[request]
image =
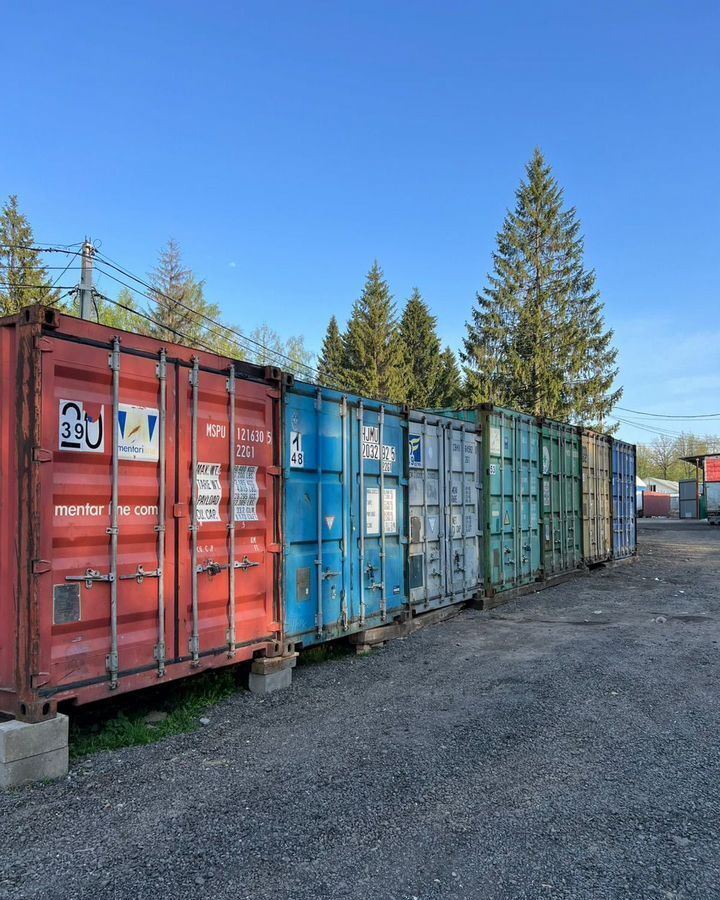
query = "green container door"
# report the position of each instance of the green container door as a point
(561, 478)
(512, 510)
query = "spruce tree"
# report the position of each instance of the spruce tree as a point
(448, 388)
(537, 340)
(23, 278)
(418, 329)
(374, 351)
(181, 310)
(331, 364)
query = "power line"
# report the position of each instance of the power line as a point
(314, 372)
(165, 306)
(38, 287)
(659, 416)
(142, 315)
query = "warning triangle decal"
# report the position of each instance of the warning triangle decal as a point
(152, 420)
(329, 521)
(122, 419)
(506, 520)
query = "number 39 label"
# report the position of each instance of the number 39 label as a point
(82, 430)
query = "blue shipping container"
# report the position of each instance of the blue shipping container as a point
(624, 531)
(344, 547)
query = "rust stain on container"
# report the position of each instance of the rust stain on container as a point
(82, 618)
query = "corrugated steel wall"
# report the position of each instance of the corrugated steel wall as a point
(345, 548)
(597, 507)
(561, 476)
(512, 508)
(149, 497)
(623, 500)
(445, 490)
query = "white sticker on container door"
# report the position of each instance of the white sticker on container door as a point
(138, 433)
(494, 441)
(81, 427)
(246, 493)
(297, 456)
(372, 511)
(209, 492)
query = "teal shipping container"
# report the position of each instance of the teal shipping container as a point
(561, 476)
(344, 513)
(445, 491)
(511, 501)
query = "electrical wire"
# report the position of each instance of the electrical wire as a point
(659, 416)
(136, 312)
(165, 306)
(106, 261)
(38, 287)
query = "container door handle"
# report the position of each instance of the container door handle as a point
(328, 574)
(141, 575)
(246, 564)
(90, 576)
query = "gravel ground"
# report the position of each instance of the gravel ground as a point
(565, 745)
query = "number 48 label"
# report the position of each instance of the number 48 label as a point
(297, 456)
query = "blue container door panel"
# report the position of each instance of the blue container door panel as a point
(315, 569)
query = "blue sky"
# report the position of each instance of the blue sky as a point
(288, 145)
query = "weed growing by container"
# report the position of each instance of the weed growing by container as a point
(152, 716)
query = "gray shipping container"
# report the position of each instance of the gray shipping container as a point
(445, 484)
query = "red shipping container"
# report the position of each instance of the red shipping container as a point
(712, 468)
(96, 601)
(654, 504)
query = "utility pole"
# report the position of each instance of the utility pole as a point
(86, 280)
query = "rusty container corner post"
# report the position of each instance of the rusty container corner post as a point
(143, 479)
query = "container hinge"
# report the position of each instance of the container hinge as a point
(38, 679)
(140, 575)
(113, 529)
(194, 645)
(275, 471)
(111, 663)
(274, 548)
(89, 577)
(41, 455)
(40, 566)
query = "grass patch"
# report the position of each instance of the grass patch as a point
(121, 723)
(324, 653)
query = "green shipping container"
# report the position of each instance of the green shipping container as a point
(561, 498)
(511, 496)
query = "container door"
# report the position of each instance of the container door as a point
(379, 442)
(551, 522)
(317, 493)
(504, 561)
(227, 513)
(426, 479)
(572, 496)
(460, 469)
(110, 607)
(527, 484)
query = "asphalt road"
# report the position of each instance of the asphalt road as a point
(565, 745)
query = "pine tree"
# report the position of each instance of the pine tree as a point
(374, 351)
(331, 364)
(181, 310)
(23, 278)
(418, 329)
(537, 340)
(448, 388)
